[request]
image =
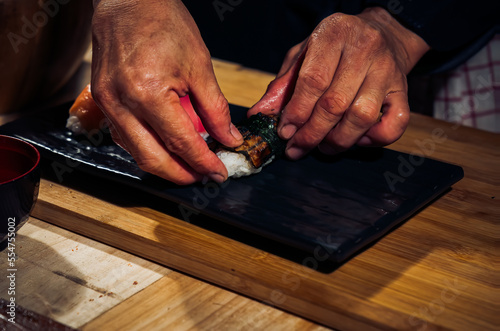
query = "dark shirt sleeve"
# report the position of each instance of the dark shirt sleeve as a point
(257, 33)
(454, 29)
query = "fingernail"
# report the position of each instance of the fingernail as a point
(218, 178)
(235, 132)
(288, 131)
(294, 153)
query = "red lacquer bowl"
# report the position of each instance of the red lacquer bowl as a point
(19, 183)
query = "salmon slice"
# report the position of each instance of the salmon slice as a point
(85, 116)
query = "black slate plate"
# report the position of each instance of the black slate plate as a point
(330, 208)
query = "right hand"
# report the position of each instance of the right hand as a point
(146, 55)
(333, 86)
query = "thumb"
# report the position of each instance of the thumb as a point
(280, 90)
(277, 95)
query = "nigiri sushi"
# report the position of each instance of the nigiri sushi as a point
(260, 146)
(84, 115)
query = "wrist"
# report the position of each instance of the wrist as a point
(414, 47)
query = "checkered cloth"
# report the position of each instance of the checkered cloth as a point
(470, 94)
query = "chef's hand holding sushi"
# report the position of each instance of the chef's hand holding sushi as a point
(146, 55)
(332, 86)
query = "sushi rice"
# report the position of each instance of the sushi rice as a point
(237, 164)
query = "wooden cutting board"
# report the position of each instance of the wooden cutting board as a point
(437, 270)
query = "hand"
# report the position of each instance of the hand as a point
(332, 87)
(146, 55)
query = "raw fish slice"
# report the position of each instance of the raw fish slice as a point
(84, 115)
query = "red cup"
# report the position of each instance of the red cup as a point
(19, 183)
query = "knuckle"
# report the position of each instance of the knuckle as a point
(222, 106)
(128, 89)
(365, 114)
(216, 117)
(177, 145)
(315, 81)
(386, 65)
(295, 116)
(141, 87)
(336, 103)
(373, 37)
(310, 138)
(369, 39)
(341, 20)
(332, 107)
(344, 24)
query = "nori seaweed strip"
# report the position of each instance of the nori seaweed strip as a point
(261, 140)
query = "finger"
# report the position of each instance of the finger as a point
(277, 95)
(359, 118)
(149, 152)
(314, 78)
(176, 130)
(279, 91)
(213, 108)
(331, 107)
(393, 123)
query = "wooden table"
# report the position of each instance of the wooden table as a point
(439, 270)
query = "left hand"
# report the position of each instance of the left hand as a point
(332, 87)
(147, 55)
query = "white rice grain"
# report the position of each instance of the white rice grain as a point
(237, 164)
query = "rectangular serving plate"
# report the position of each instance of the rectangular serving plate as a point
(338, 205)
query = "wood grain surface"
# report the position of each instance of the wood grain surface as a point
(84, 284)
(439, 270)
(73, 279)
